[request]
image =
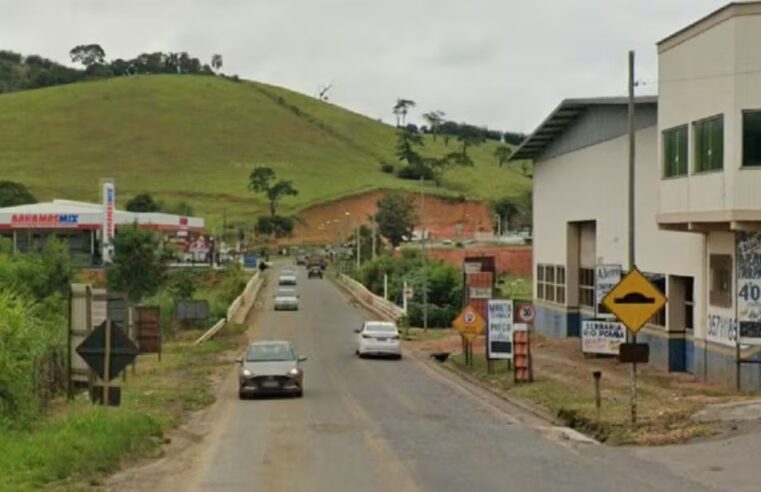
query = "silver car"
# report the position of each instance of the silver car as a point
(270, 368)
(286, 299)
(287, 278)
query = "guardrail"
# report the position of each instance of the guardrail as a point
(375, 303)
(236, 312)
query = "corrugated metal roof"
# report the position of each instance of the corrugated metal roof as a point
(560, 119)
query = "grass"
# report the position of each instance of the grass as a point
(195, 139)
(517, 287)
(664, 415)
(78, 444)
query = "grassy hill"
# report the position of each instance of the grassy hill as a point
(195, 139)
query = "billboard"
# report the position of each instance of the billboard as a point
(108, 231)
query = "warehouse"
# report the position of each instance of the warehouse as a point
(697, 201)
(82, 224)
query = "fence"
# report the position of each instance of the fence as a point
(375, 303)
(237, 311)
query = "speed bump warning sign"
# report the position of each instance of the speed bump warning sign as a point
(634, 300)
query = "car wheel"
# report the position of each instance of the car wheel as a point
(241, 395)
(300, 394)
(398, 357)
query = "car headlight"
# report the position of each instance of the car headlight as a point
(293, 372)
(247, 373)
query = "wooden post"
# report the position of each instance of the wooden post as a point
(107, 362)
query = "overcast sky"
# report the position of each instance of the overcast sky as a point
(501, 63)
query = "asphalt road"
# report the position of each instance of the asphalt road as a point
(386, 425)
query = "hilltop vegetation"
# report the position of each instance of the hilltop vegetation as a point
(194, 139)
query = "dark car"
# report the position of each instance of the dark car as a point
(271, 368)
(315, 272)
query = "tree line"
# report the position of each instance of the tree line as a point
(19, 72)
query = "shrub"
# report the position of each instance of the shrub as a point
(414, 172)
(387, 168)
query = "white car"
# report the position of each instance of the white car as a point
(378, 338)
(286, 300)
(287, 278)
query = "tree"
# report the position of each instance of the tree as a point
(506, 209)
(12, 194)
(434, 120)
(400, 110)
(143, 202)
(406, 142)
(503, 153)
(216, 62)
(274, 225)
(263, 180)
(140, 266)
(470, 136)
(395, 217)
(88, 55)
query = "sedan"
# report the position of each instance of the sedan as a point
(271, 368)
(286, 300)
(287, 278)
(378, 338)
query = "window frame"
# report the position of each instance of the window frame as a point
(550, 283)
(685, 146)
(587, 296)
(697, 165)
(721, 298)
(743, 164)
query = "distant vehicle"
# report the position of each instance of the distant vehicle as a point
(286, 300)
(287, 278)
(378, 338)
(301, 260)
(447, 242)
(315, 272)
(270, 368)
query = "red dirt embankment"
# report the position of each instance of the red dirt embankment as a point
(329, 222)
(515, 260)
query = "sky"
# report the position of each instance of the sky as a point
(501, 63)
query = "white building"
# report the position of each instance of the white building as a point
(698, 199)
(81, 225)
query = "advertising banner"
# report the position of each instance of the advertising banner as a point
(601, 337)
(109, 225)
(749, 287)
(500, 329)
(606, 277)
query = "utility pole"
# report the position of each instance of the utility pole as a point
(373, 236)
(425, 259)
(359, 252)
(632, 244)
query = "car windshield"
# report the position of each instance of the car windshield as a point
(269, 352)
(380, 327)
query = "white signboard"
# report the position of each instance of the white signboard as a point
(480, 293)
(472, 267)
(606, 277)
(499, 334)
(602, 337)
(749, 287)
(108, 231)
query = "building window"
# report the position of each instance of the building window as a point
(550, 283)
(689, 303)
(587, 287)
(659, 281)
(721, 281)
(709, 144)
(752, 138)
(675, 152)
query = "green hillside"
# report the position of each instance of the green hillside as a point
(195, 138)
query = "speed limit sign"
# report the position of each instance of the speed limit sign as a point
(526, 313)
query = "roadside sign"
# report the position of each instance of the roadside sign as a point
(634, 300)
(526, 313)
(634, 352)
(93, 351)
(500, 333)
(480, 292)
(606, 277)
(469, 323)
(601, 337)
(408, 292)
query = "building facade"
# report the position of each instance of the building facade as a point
(697, 201)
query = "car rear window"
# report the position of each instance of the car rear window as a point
(380, 327)
(269, 352)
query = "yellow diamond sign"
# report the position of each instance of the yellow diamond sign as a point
(634, 300)
(469, 323)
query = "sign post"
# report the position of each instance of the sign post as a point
(470, 324)
(108, 231)
(634, 300)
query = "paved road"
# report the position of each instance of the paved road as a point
(383, 425)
